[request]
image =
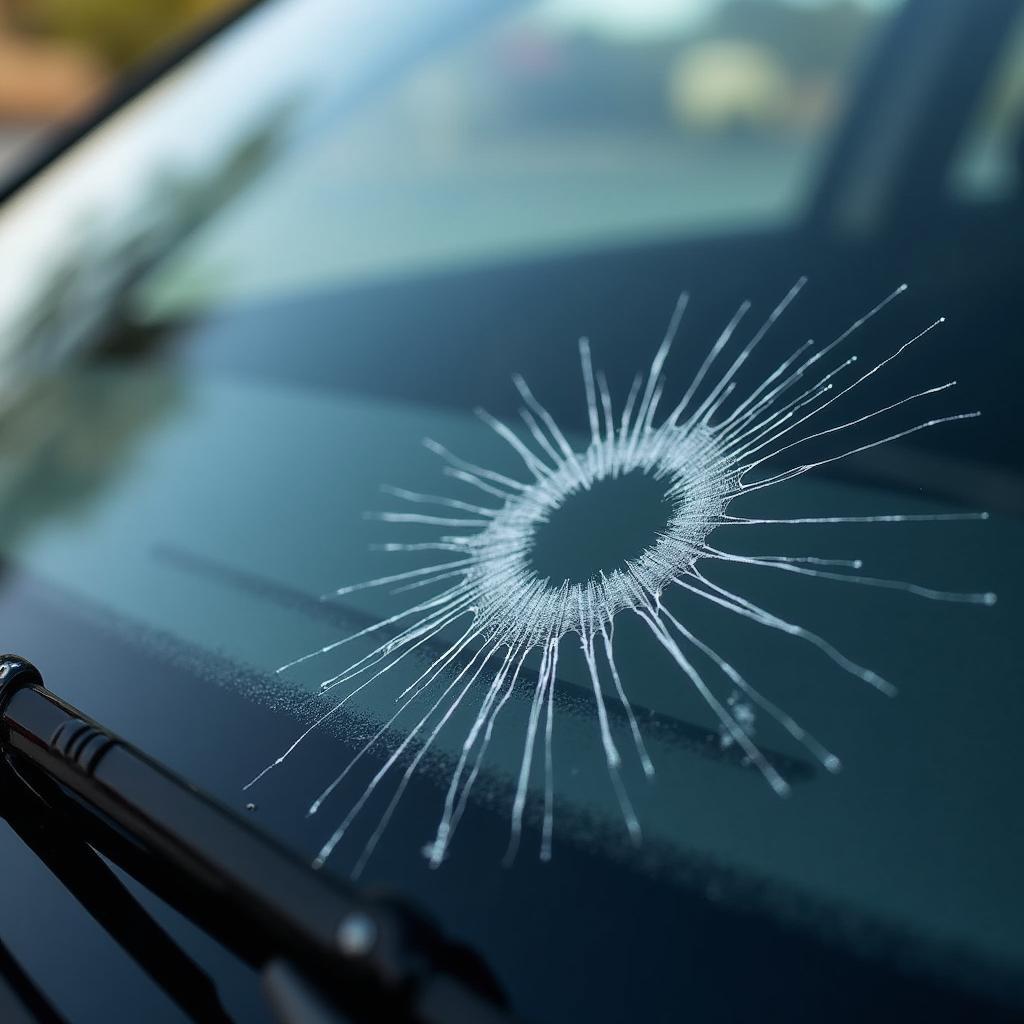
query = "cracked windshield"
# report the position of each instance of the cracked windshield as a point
(510, 452)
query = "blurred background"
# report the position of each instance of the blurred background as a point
(58, 57)
(713, 67)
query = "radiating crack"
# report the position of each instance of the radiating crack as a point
(492, 602)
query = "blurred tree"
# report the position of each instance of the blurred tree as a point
(116, 32)
(42, 79)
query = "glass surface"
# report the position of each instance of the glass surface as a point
(988, 166)
(233, 312)
(548, 129)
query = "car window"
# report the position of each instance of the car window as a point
(555, 127)
(232, 315)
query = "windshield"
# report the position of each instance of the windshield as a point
(233, 313)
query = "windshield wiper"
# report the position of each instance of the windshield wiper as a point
(327, 952)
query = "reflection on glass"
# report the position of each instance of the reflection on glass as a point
(556, 127)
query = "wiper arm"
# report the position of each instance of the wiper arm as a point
(323, 948)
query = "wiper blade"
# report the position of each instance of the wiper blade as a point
(323, 947)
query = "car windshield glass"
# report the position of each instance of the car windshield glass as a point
(233, 312)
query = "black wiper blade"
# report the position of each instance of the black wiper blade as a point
(318, 943)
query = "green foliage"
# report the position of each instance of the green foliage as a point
(117, 32)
